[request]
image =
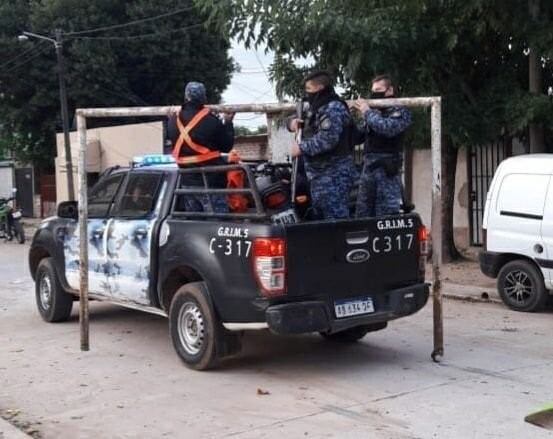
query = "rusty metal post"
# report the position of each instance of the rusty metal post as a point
(436, 227)
(83, 234)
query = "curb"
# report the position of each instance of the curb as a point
(455, 292)
(471, 299)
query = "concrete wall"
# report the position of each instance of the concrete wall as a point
(252, 147)
(6, 179)
(108, 147)
(422, 193)
(280, 141)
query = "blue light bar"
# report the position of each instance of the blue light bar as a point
(153, 159)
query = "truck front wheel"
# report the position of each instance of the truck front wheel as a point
(54, 304)
(354, 334)
(195, 329)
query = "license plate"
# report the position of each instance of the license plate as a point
(287, 217)
(16, 215)
(348, 308)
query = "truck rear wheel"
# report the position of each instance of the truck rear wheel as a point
(53, 303)
(354, 334)
(521, 287)
(196, 332)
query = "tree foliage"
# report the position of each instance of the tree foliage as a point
(245, 131)
(143, 64)
(471, 52)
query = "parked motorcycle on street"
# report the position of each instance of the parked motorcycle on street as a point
(10, 221)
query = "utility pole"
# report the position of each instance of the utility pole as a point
(58, 44)
(65, 116)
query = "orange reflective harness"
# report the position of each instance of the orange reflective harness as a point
(235, 179)
(204, 154)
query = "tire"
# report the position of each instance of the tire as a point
(54, 304)
(354, 334)
(196, 333)
(19, 232)
(521, 287)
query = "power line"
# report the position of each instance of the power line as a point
(261, 65)
(136, 37)
(40, 52)
(22, 54)
(131, 23)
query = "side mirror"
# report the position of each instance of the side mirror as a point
(68, 209)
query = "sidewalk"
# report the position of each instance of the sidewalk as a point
(464, 281)
(30, 225)
(8, 431)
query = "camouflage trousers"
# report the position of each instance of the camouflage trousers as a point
(379, 193)
(330, 190)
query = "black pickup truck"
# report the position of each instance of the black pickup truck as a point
(216, 275)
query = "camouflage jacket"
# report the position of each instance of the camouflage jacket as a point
(324, 136)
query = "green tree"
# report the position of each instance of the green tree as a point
(143, 64)
(474, 53)
(245, 131)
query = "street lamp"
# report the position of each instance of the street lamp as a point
(58, 44)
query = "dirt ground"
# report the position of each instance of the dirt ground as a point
(465, 272)
(497, 368)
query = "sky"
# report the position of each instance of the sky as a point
(251, 85)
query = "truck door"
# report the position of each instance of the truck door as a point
(129, 237)
(100, 203)
(545, 259)
(516, 221)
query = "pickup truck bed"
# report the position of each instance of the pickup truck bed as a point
(215, 277)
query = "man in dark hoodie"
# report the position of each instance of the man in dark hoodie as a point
(198, 138)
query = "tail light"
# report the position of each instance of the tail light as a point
(269, 260)
(423, 246)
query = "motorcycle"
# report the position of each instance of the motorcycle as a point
(273, 182)
(10, 221)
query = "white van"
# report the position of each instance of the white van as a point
(518, 231)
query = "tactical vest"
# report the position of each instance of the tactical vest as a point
(345, 142)
(381, 144)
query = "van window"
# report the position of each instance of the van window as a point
(523, 194)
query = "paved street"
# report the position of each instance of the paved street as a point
(498, 367)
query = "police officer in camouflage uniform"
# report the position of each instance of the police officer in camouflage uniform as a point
(380, 186)
(326, 147)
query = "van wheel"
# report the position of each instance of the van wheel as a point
(354, 334)
(54, 304)
(521, 287)
(196, 332)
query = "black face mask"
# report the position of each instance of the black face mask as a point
(311, 97)
(379, 95)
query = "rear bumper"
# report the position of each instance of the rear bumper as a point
(318, 316)
(490, 263)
